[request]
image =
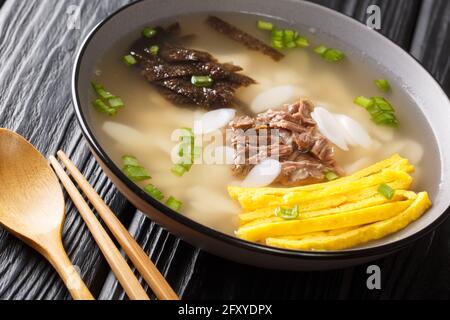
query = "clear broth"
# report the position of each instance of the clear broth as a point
(204, 189)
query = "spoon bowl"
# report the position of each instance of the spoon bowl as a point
(32, 206)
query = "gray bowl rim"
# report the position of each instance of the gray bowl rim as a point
(381, 250)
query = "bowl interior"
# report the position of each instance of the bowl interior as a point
(431, 107)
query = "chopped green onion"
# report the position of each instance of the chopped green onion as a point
(387, 119)
(102, 107)
(284, 38)
(174, 204)
(320, 50)
(386, 191)
(302, 42)
(333, 55)
(277, 39)
(136, 173)
(129, 60)
(330, 176)
(277, 44)
(187, 165)
(383, 104)
(149, 32)
(96, 86)
(154, 192)
(286, 213)
(187, 152)
(101, 92)
(329, 54)
(383, 85)
(107, 102)
(202, 81)
(116, 102)
(277, 34)
(154, 50)
(130, 161)
(290, 45)
(178, 170)
(381, 110)
(364, 102)
(289, 36)
(264, 25)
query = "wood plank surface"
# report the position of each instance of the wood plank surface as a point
(36, 55)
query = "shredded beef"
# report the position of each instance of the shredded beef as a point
(305, 154)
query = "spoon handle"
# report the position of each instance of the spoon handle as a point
(57, 256)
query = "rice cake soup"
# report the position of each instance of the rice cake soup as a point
(325, 110)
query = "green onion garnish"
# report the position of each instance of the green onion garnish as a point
(134, 170)
(329, 54)
(286, 213)
(154, 192)
(383, 85)
(116, 102)
(188, 152)
(320, 50)
(277, 34)
(174, 204)
(302, 42)
(96, 86)
(149, 32)
(330, 176)
(102, 107)
(287, 39)
(277, 44)
(129, 60)
(386, 191)
(130, 161)
(333, 55)
(364, 102)
(202, 81)
(289, 36)
(290, 45)
(277, 39)
(264, 25)
(106, 102)
(187, 165)
(101, 92)
(136, 173)
(178, 170)
(381, 110)
(154, 50)
(383, 104)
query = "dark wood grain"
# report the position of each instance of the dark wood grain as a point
(36, 55)
(37, 52)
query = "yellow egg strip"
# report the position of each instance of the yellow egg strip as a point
(327, 206)
(395, 163)
(337, 221)
(361, 235)
(251, 203)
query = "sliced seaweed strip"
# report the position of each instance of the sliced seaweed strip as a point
(170, 70)
(156, 69)
(243, 37)
(220, 95)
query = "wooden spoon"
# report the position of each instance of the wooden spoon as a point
(32, 206)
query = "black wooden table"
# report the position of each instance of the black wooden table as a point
(37, 51)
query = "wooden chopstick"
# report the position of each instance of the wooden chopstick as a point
(116, 261)
(141, 261)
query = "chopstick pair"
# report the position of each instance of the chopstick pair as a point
(119, 266)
